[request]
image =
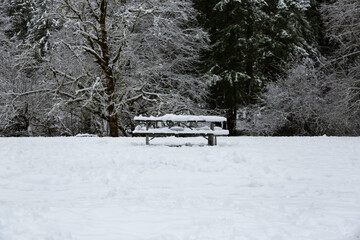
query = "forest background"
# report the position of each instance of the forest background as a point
(272, 67)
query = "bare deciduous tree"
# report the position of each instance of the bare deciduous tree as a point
(342, 19)
(112, 54)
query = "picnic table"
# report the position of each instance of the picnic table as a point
(208, 127)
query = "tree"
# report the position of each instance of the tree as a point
(24, 32)
(231, 60)
(294, 105)
(13, 119)
(29, 21)
(252, 42)
(111, 55)
(19, 13)
(320, 97)
(5, 72)
(342, 19)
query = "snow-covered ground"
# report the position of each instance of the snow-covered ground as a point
(246, 188)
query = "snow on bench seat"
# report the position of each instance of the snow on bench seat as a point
(183, 131)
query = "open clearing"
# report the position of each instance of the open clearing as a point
(246, 188)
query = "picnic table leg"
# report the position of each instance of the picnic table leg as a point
(147, 140)
(211, 140)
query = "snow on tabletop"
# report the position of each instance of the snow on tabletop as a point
(181, 118)
(118, 188)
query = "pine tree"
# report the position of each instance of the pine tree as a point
(25, 41)
(252, 41)
(19, 13)
(323, 96)
(41, 25)
(30, 22)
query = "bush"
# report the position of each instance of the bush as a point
(308, 102)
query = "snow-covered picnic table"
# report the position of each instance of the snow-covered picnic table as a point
(208, 127)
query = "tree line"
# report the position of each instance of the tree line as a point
(272, 67)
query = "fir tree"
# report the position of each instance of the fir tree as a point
(19, 13)
(41, 24)
(30, 22)
(252, 41)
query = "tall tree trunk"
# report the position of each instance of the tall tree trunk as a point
(250, 61)
(231, 120)
(112, 116)
(113, 126)
(105, 65)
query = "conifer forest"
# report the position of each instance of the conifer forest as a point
(271, 67)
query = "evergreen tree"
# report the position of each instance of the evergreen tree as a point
(41, 24)
(318, 97)
(251, 43)
(30, 22)
(25, 31)
(19, 13)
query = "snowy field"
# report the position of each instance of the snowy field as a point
(119, 189)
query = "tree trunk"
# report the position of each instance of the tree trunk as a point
(250, 63)
(231, 121)
(113, 126)
(105, 65)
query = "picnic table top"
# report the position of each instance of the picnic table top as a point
(180, 118)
